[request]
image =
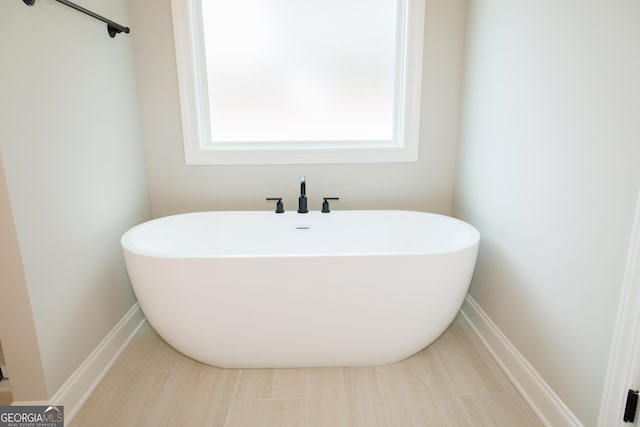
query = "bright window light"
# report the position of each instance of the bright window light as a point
(299, 81)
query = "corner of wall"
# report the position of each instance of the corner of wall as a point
(17, 327)
(79, 386)
(543, 400)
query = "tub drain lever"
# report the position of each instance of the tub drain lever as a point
(279, 206)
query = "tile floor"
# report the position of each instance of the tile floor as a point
(454, 382)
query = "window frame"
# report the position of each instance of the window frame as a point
(192, 85)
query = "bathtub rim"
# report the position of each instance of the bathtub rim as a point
(127, 237)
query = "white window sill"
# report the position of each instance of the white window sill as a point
(300, 153)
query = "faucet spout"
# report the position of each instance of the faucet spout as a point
(302, 200)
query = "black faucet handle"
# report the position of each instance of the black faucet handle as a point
(279, 205)
(325, 203)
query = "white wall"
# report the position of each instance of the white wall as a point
(548, 172)
(70, 139)
(174, 187)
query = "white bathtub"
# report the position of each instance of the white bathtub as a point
(260, 289)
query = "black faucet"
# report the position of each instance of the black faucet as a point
(325, 204)
(279, 205)
(302, 200)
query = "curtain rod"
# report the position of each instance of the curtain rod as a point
(112, 27)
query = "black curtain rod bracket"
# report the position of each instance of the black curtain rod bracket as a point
(112, 27)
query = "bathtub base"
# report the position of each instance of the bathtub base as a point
(346, 311)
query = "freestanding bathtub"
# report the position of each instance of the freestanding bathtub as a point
(260, 289)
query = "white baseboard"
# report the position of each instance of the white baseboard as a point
(543, 400)
(75, 391)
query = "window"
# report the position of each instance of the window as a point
(299, 81)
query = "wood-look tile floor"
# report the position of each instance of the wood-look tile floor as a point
(453, 382)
